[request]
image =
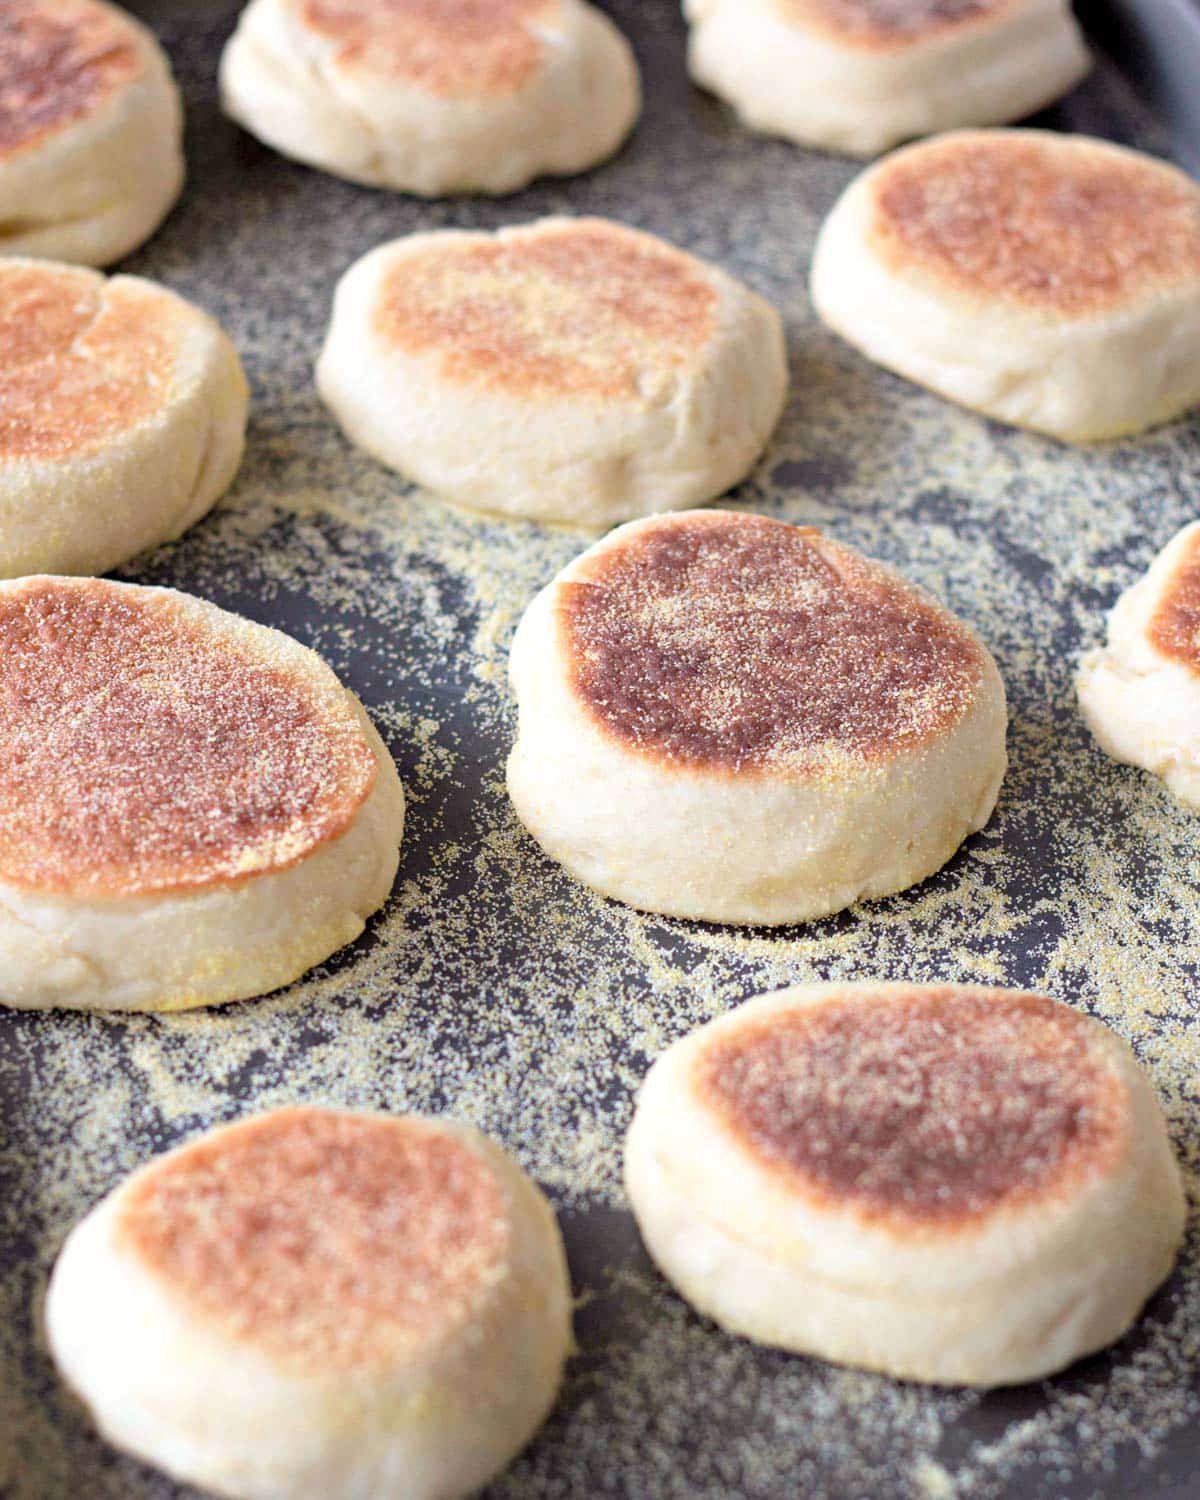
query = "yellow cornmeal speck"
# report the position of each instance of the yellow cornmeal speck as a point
(933, 1482)
(495, 988)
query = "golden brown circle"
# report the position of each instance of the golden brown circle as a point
(145, 750)
(889, 25)
(723, 640)
(1175, 625)
(331, 1241)
(578, 308)
(1064, 225)
(60, 60)
(451, 48)
(930, 1106)
(82, 361)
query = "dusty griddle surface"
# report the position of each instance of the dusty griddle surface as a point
(496, 988)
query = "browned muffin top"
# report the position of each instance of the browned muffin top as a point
(146, 748)
(922, 1106)
(1063, 225)
(82, 361)
(719, 640)
(60, 60)
(451, 48)
(578, 307)
(331, 1241)
(1175, 625)
(888, 25)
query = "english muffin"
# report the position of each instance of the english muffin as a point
(312, 1305)
(91, 130)
(940, 1182)
(1046, 280)
(433, 96)
(859, 76)
(727, 718)
(1140, 693)
(122, 417)
(570, 370)
(192, 808)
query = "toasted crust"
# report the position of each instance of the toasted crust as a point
(919, 1106)
(562, 308)
(1067, 226)
(734, 642)
(890, 25)
(1174, 628)
(82, 360)
(60, 60)
(148, 747)
(451, 48)
(330, 1241)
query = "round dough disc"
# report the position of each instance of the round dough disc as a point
(1140, 692)
(859, 76)
(570, 370)
(432, 98)
(940, 1182)
(122, 417)
(311, 1304)
(91, 131)
(1049, 281)
(728, 718)
(193, 808)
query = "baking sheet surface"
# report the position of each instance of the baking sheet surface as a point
(494, 987)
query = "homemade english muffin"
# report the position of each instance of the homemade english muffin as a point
(91, 130)
(122, 417)
(192, 808)
(859, 76)
(731, 719)
(939, 1182)
(433, 96)
(311, 1305)
(569, 370)
(1050, 281)
(1140, 693)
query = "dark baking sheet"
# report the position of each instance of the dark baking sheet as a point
(494, 987)
(1158, 42)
